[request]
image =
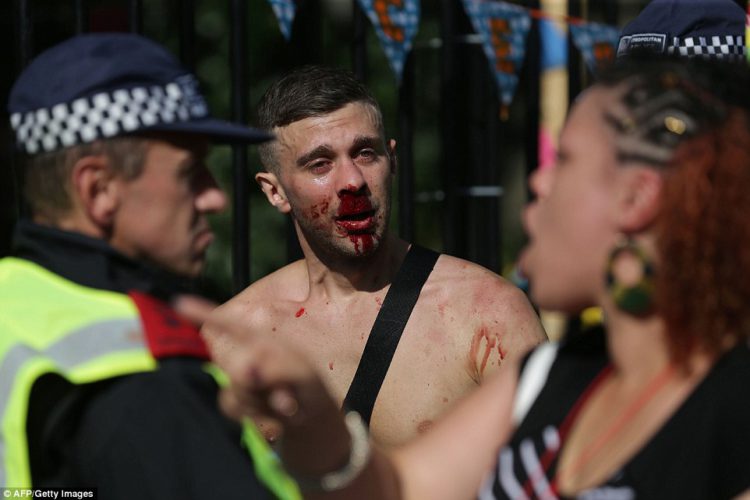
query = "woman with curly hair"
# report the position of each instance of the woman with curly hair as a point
(646, 216)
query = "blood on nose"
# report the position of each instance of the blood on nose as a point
(353, 202)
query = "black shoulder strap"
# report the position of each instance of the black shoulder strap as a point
(387, 330)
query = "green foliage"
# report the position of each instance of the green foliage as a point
(321, 37)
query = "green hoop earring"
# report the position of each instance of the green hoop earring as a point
(636, 299)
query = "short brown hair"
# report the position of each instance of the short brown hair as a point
(309, 91)
(47, 175)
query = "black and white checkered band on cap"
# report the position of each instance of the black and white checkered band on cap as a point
(108, 114)
(726, 47)
(100, 85)
(712, 29)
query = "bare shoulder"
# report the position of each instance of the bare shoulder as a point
(471, 284)
(491, 319)
(257, 303)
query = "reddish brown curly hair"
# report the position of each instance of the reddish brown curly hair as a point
(703, 231)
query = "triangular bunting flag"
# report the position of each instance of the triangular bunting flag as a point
(597, 42)
(284, 10)
(503, 28)
(395, 22)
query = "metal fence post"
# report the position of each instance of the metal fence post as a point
(81, 20)
(405, 172)
(359, 41)
(25, 49)
(187, 33)
(135, 16)
(240, 203)
(448, 129)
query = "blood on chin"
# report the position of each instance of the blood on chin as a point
(363, 243)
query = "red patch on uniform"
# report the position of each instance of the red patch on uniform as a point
(167, 334)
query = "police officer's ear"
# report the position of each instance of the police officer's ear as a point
(392, 157)
(95, 190)
(273, 190)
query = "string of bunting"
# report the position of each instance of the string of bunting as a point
(503, 28)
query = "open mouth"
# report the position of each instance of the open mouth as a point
(353, 222)
(359, 216)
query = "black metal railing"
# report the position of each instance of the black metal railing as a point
(471, 136)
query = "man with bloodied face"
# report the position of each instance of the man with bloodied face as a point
(331, 169)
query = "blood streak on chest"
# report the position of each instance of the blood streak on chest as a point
(300, 312)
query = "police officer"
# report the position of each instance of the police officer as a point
(102, 381)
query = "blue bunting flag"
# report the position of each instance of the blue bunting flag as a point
(503, 28)
(395, 22)
(597, 42)
(284, 10)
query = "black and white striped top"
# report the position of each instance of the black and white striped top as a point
(703, 451)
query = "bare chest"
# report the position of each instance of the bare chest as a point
(426, 375)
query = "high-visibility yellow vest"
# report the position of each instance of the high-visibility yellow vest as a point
(50, 325)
